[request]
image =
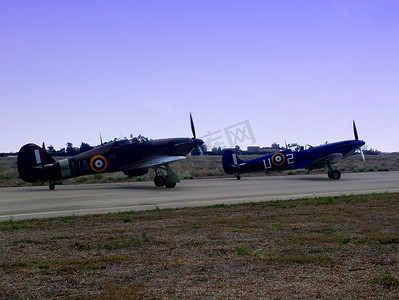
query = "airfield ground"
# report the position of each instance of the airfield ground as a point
(194, 167)
(344, 247)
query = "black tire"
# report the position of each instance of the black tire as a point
(336, 174)
(170, 185)
(51, 186)
(159, 181)
(238, 177)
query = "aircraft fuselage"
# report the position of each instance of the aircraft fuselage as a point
(289, 159)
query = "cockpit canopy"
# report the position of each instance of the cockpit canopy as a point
(133, 140)
(296, 147)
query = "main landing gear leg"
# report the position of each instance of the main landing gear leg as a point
(238, 176)
(168, 181)
(333, 174)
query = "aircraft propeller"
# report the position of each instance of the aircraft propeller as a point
(192, 126)
(194, 135)
(357, 138)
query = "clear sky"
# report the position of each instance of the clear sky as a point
(299, 71)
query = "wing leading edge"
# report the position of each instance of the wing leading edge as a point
(159, 161)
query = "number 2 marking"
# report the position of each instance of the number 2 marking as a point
(290, 159)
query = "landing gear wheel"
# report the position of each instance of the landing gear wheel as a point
(333, 174)
(159, 181)
(169, 180)
(51, 186)
(336, 174)
(238, 176)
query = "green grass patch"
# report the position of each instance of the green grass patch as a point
(387, 280)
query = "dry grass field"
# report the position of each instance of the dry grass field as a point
(203, 167)
(332, 248)
(343, 247)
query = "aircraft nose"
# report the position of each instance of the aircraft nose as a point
(184, 146)
(198, 142)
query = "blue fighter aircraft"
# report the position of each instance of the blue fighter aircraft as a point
(295, 157)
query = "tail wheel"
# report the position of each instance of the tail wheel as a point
(159, 181)
(51, 186)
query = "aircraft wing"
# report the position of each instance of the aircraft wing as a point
(321, 163)
(160, 160)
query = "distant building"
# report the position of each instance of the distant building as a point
(253, 148)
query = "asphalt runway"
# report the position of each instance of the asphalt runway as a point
(40, 202)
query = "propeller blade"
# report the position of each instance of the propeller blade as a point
(200, 150)
(192, 126)
(355, 131)
(357, 138)
(361, 152)
(196, 143)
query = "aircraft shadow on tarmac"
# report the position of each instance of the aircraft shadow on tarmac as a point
(140, 186)
(313, 178)
(287, 178)
(95, 187)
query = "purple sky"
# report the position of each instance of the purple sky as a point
(299, 71)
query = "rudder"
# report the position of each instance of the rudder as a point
(229, 159)
(29, 158)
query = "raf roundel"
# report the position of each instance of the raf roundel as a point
(278, 159)
(98, 163)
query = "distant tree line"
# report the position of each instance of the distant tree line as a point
(70, 150)
(261, 151)
(372, 151)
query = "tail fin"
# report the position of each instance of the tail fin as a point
(29, 158)
(230, 160)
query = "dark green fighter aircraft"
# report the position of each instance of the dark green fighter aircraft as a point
(134, 157)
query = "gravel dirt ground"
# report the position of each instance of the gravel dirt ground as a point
(343, 247)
